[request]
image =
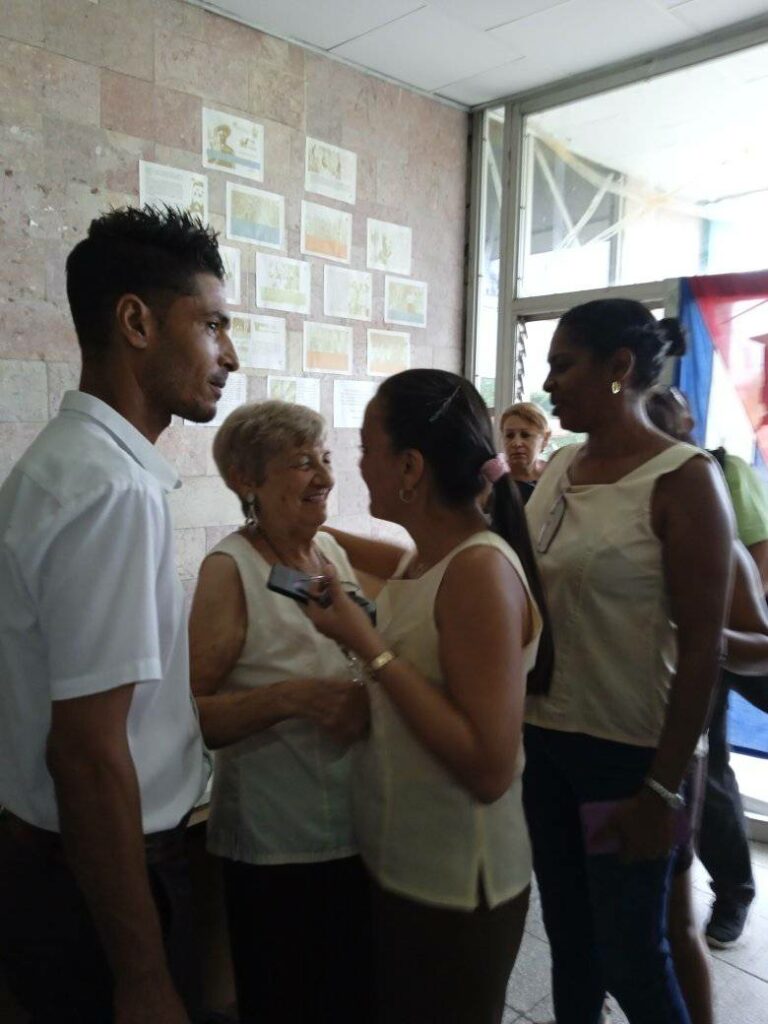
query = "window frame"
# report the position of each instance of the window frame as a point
(512, 307)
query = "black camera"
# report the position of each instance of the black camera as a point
(292, 583)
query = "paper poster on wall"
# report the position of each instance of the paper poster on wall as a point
(234, 395)
(299, 390)
(347, 293)
(260, 341)
(389, 247)
(230, 257)
(283, 283)
(162, 186)
(388, 352)
(327, 348)
(350, 398)
(405, 302)
(330, 171)
(326, 232)
(255, 216)
(233, 144)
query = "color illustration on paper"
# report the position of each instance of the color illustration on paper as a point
(254, 216)
(283, 283)
(405, 302)
(233, 144)
(326, 232)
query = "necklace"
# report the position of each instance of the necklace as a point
(319, 561)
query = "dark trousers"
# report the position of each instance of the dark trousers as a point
(49, 947)
(300, 936)
(605, 920)
(723, 844)
(439, 966)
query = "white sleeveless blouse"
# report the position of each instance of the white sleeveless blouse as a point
(281, 796)
(615, 645)
(421, 833)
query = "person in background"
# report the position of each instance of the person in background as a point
(437, 797)
(634, 545)
(723, 843)
(269, 690)
(525, 433)
(101, 758)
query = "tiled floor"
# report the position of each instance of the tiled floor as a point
(740, 974)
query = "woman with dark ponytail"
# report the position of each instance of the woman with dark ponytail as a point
(438, 806)
(634, 541)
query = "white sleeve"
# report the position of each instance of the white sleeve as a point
(97, 596)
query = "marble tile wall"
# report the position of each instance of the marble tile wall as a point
(87, 89)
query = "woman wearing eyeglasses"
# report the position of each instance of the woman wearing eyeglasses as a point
(634, 546)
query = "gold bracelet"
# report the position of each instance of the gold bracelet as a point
(379, 662)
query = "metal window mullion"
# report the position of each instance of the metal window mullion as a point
(474, 242)
(537, 307)
(511, 231)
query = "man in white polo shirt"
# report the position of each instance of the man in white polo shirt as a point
(100, 754)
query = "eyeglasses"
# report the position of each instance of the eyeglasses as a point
(551, 524)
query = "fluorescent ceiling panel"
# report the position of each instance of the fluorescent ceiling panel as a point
(428, 49)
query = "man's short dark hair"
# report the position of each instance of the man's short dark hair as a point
(152, 253)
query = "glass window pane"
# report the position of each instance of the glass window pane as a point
(661, 178)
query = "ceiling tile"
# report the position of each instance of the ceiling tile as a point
(321, 23)
(708, 15)
(587, 34)
(486, 14)
(428, 49)
(517, 76)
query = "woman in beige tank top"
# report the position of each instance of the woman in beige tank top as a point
(634, 545)
(437, 785)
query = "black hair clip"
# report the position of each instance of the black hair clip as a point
(444, 405)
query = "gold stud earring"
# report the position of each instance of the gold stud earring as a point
(615, 387)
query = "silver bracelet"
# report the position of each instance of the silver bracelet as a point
(673, 800)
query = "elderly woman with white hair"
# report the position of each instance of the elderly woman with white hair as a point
(269, 688)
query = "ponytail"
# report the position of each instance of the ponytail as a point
(508, 520)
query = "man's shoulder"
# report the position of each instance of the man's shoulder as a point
(71, 469)
(73, 458)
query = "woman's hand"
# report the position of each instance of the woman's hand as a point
(337, 616)
(338, 706)
(644, 827)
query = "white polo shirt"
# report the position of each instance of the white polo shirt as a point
(90, 600)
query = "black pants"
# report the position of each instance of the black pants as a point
(440, 966)
(50, 950)
(723, 843)
(300, 936)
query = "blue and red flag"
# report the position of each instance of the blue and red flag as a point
(726, 316)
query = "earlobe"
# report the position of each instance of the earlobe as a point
(134, 320)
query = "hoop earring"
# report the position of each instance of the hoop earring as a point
(251, 511)
(615, 387)
(410, 492)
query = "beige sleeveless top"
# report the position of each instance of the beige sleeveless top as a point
(421, 833)
(615, 647)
